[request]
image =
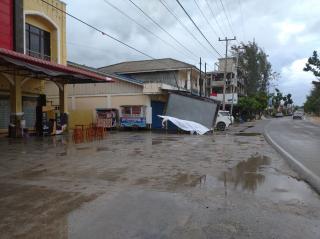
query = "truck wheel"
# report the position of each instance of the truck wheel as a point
(221, 126)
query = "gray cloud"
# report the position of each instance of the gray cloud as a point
(286, 30)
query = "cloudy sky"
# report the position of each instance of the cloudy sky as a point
(287, 30)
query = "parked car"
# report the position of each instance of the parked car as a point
(224, 120)
(297, 115)
(279, 114)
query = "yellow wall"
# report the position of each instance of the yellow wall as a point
(33, 7)
(84, 112)
(4, 83)
(80, 117)
(31, 86)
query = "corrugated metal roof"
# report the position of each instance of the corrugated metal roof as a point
(111, 75)
(165, 64)
(47, 67)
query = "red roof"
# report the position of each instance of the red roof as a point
(54, 66)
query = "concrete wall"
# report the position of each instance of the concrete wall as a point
(47, 18)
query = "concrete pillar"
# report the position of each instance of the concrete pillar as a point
(189, 80)
(63, 99)
(16, 97)
(16, 108)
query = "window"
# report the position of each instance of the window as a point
(37, 42)
(136, 110)
(126, 110)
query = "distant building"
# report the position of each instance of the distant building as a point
(159, 74)
(144, 83)
(215, 82)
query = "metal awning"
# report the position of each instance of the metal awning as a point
(12, 62)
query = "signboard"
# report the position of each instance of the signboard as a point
(228, 98)
(133, 122)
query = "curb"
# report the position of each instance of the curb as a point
(305, 173)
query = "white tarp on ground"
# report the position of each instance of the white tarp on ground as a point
(185, 124)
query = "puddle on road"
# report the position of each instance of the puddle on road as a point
(62, 154)
(99, 149)
(247, 134)
(184, 180)
(155, 142)
(247, 174)
(83, 148)
(113, 175)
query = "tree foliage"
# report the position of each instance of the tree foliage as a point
(312, 104)
(254, 67)
(313, 65)
(252, 105)
(276, 99)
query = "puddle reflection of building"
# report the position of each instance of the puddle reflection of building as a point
(246, 173)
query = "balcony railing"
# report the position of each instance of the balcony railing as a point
(38, 55)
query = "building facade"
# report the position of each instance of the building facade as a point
(145, 83)
(235, 86)
(32, 51)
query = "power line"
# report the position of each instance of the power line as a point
(225, 13)
(214, 31)
(98, 30)
(146, 29)
(214, 17)
(197, 27)
(172, 37)
(165, 4)
(242, 21)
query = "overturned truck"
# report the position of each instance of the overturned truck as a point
(190, 112)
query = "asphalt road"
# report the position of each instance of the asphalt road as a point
(299, 138)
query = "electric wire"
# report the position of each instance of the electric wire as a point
(206, 19)
(143, 27)
(225, 13)
(185, 11)
(98, 30)
(214, 17)
(242, 21)
(165, 4)
(156, 23)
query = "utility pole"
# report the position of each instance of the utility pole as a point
(200, 80)
(236, 78)
(236, 75)
(225, 70)
(205, 79)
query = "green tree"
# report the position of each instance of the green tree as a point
(287, 103)
(313, 65)
(250, 106)
(254, 67)
(312, 104)
(276, 99)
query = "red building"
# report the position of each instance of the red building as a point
(6, 23)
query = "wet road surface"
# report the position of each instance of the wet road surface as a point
(149, 185)
(299, 138)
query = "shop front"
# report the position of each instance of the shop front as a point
(20, 112)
